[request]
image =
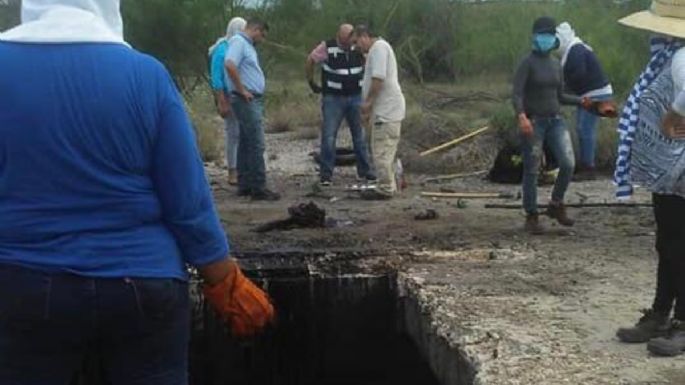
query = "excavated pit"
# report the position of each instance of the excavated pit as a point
(338, 324)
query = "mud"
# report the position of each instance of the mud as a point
(525, 309)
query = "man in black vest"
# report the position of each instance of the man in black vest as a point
(342, 70)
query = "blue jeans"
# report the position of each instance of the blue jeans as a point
(231, 140)
(251, 166)
(586, 128)
(553, 132)
(335, 108)
(140, 328)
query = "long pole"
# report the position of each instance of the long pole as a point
(455, 141)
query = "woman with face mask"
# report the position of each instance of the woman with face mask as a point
(537, 97)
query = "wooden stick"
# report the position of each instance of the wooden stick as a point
(454, 176)
(574, 205)
(455, 141)
(427, 194)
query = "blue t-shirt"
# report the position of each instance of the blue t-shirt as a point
(218, 76)
(100, 174)
(242, 53)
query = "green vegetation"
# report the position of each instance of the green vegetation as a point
(435, 40)
(451, 45)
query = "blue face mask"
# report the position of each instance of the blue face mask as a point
(544, 42)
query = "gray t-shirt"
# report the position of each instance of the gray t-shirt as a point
(538, 87)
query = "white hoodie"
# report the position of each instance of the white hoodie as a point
(567, 40)
(68, 21)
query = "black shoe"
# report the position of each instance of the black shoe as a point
(650, 325)
(671, 345)
(265, 195)
(325, 182)
(244, 192)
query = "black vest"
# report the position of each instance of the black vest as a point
(343, 72)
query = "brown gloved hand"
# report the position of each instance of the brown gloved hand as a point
(607, 109)
(244, 306)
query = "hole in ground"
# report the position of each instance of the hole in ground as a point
(331, 331)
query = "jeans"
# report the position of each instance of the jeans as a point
(138, 328)
(669, 212)
(586, 128)
(551, 131)
(251, 166)
(335, 108)
(231, 140)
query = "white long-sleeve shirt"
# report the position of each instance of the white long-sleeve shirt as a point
(678, 73)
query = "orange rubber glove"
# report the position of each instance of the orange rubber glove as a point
(244, 306)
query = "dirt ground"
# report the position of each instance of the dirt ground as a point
(528, 309)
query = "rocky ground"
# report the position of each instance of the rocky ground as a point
(527, 309)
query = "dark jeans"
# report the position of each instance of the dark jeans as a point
(251, 166)
(669, 212)
(139, 328)
(552, 132)
(335, 108)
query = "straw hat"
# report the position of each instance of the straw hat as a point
(664, 16)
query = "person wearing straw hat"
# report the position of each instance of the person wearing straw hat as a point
(651, 153)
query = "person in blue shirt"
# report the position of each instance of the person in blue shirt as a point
(221, 87)
(104, 203)
(249, 84)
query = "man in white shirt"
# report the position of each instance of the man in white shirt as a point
(383, 106)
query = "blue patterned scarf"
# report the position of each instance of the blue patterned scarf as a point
(662, 50)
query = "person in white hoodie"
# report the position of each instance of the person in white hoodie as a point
(104, 203)
(583, 76)
(651, 153)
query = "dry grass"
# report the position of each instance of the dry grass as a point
(290, 107)
(441, 112)
(208, 126)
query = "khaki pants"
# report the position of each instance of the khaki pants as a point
(384, 138)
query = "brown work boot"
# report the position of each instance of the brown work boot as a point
(232, 176)
(557, 210)
(673, 344)
(533, 225)
(650, 325)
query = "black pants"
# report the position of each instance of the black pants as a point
(669, 212)
(138, 327)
